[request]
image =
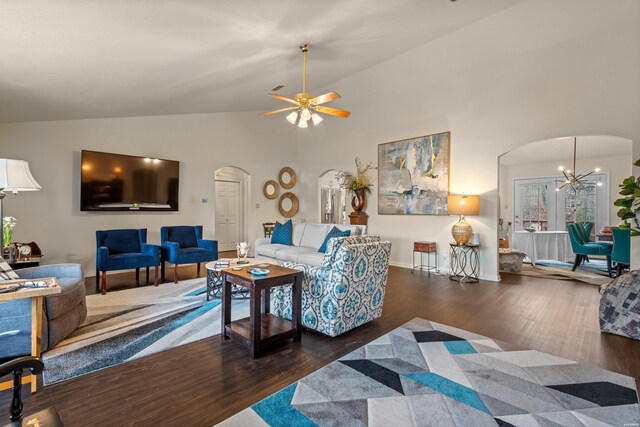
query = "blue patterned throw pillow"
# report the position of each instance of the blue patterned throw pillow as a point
(283, 233)
(333, 233)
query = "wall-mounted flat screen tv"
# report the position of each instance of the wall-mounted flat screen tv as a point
(118, 182)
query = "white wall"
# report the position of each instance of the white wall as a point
(618, 168)
(539, 70)
(202, 143)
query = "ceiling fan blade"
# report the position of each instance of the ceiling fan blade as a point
(329, 96)
(282, 98)
(332, 111)
(268, 113)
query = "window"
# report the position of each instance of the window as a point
(538, 204)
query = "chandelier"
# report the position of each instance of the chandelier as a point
(577, 181)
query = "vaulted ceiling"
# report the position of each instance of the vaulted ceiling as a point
(68, 59)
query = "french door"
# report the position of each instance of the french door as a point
(539, 203)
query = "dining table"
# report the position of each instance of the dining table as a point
(543, 245)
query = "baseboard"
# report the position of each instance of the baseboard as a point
(487, 277)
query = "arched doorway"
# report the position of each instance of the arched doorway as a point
(537, 201)
(331, 199)
(232, 189)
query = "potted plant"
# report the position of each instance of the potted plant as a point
(630, 203)
(358, 183)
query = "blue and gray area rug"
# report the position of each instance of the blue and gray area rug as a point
(425, 373)
(126, 325)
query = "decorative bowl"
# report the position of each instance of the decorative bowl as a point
(258, 271)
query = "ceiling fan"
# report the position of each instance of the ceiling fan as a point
(307, 106)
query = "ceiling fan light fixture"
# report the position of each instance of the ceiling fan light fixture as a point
(302, 123)
(316, 119)
(293, 117)
(305, 115)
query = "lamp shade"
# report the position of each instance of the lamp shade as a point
(15, 176)
(463, 204)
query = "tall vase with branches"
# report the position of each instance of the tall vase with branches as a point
(358, 182)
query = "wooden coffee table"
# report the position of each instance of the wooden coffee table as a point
(214, 277)
(262, 330)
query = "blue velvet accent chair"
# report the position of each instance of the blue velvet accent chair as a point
(183, 244)
(621, 253)
(123, 250)
(583, 247)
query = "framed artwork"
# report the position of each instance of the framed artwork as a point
(413, 175)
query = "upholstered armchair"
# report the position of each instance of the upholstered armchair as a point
(346, 291)
(621, 253)
(123, 250)
(61, 315)
(183, 244)
(583, 247)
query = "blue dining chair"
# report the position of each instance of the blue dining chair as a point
(621, 253)
(123, 250)
(582, 247)
(183, 244)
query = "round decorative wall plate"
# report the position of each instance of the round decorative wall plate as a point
(271, 189)
(282, 177)
(291, 211)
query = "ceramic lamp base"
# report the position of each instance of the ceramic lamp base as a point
(462, 231)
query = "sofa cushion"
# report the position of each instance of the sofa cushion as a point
(335, 232)
(312, 257)
(269, 250)
(134, 260)
(314, 235)
(288, 253)
(283, 233)
(298, 231)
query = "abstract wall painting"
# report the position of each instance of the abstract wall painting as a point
(413, 175)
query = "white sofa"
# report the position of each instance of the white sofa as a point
(307, 239)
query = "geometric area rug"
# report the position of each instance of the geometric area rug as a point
(128, 324)
(425, 373)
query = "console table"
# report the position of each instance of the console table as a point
(262, 329)
(464, 262)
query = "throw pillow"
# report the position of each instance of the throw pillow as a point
(6, 272)
(283, 233)
(331, 234)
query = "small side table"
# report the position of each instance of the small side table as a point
(424, 248)
(464, 262)
(262, 329)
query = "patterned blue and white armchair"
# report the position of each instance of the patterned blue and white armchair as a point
(346, 291)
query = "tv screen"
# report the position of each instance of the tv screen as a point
(118, 182)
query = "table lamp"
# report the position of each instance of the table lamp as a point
(15, 176)
(462, 205)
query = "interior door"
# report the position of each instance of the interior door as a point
(228, 201)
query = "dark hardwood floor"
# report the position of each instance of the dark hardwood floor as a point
(205, 382)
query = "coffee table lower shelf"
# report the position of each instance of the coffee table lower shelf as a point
(273, 330)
